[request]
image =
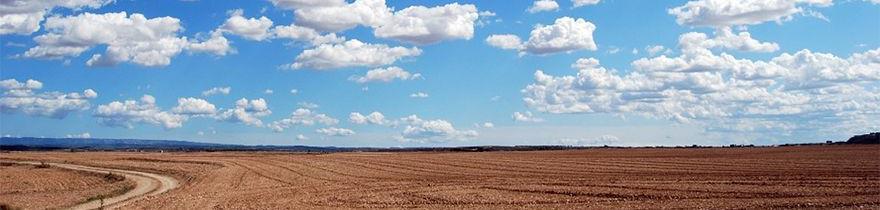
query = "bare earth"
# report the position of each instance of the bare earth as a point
(27, 186)
(812, 177)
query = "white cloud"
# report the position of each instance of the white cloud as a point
(246, 111)
(613, 50)
(376, 118)
(130, 112)
(804, 92)
(268, 91)
(418, 95)
(305, 34)
(726, 39)
(525, 117)
(134, 38)
(423, 25)
(414, 24)
(565, 35)
(21, 97)
(583, 63)
(296, 4)
(543, 5)
(723, 13)
(581, 3)
(307, 105)
(505, 41)
(656, 49)
(301, 137)
(23, 17)
(334, 131)
(216, 44)
(194, 106)
(250, 28)
(385, 75)
(294, 91)
(217, 90)
(339, 17)
(597, 141)
(85, 135)
(419, 130)
(352, 53)
(302, 116)
(484, 125)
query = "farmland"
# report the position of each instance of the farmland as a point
(820, 177)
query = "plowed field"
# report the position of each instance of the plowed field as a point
(817, 177)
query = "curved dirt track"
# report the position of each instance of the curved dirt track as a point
(147, 184)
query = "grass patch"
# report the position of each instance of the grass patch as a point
(43, 165)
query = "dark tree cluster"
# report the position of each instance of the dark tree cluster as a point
(871, 138)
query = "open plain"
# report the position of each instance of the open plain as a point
(815, 177)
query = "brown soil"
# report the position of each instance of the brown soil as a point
(808, 177)
(45, 187)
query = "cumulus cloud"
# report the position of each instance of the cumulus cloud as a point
(302, 116)
(525, 117)
(217, 90)
(335, 17)
(301, 137)
(334, 131)
(385, 75)
(565, 35)
(351, 53)
(246, 111)
(414, 24)
(85, 135)
(723, 13)
(725, 39)
(23, 17)
(250, 28)
(194, 106)
(581, 3)
(656, 49)
(129, 38)
(216, 44)
(423, 25)
(790, 93)
(376, 118)
(543, 5)
(300, 33)
(296, 4)
(22, 97)
(419, 130)
(583, 63)
(130, 112)
(505, 41)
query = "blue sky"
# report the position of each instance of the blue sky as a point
(784, 71)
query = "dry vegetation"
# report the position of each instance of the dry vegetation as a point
(45, 187)
(819, 177)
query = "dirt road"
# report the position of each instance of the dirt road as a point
(147, 184)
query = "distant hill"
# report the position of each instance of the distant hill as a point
(31, 143)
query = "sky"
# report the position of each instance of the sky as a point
(441, 73)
